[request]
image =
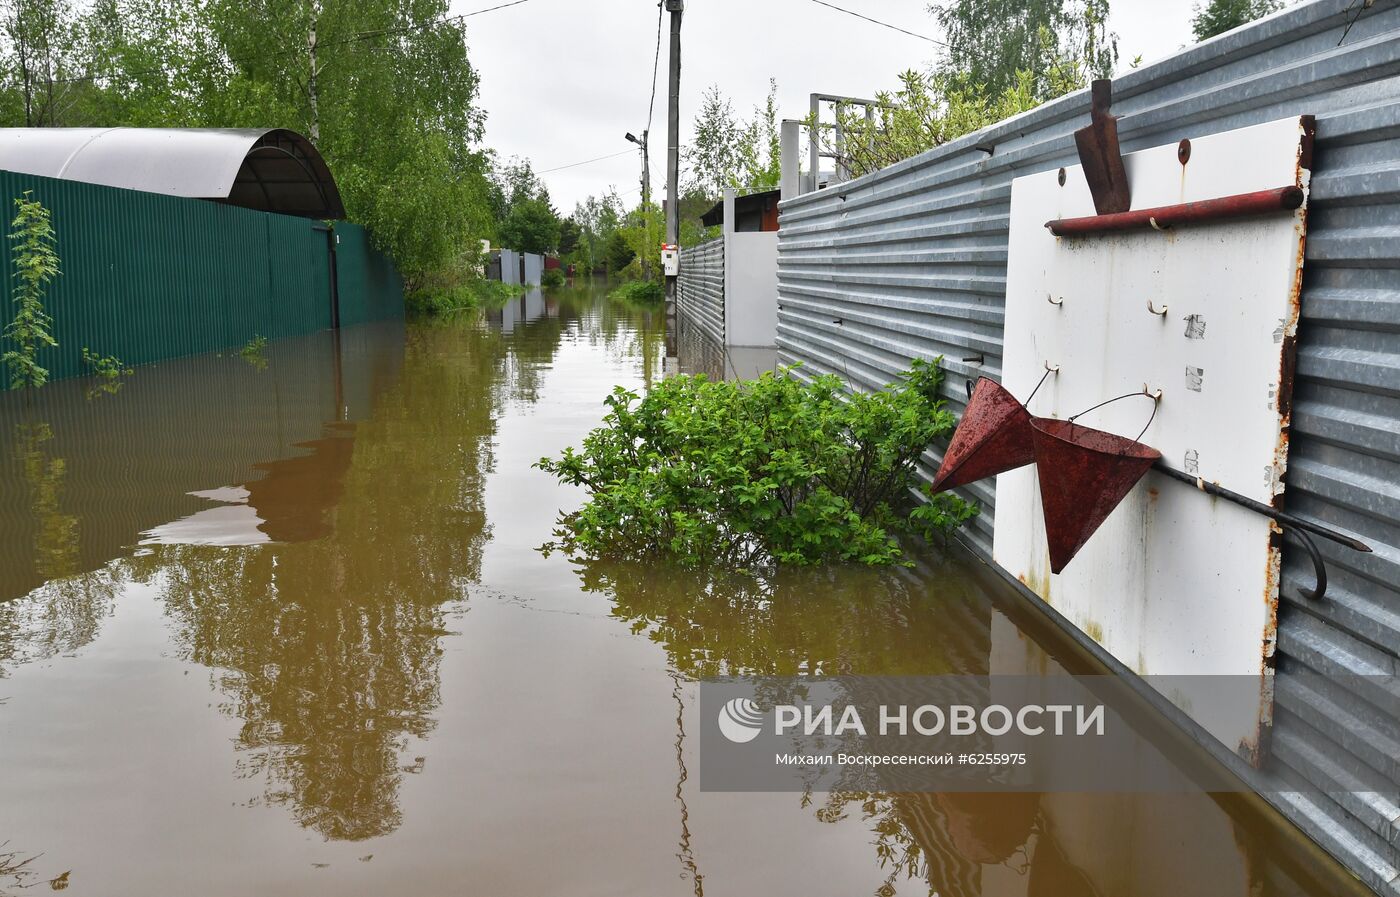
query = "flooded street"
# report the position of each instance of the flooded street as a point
(282, 625)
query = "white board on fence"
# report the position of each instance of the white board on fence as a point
(1175, 582)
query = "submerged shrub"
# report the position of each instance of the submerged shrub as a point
(465, 296)
(105, 367)
(109, 371)
(769, 471)
(553, 278)
(644, 292)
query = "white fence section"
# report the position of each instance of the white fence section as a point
(751, 288)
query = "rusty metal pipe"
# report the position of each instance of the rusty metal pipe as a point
(1241, 205)
(1283, 517)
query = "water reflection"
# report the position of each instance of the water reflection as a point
(325, 642)
(850, 621)
(81, 481)
(55, 533)
(690, 350)
(939, 617)
(343, 545)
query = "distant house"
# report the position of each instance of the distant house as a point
(756, 212)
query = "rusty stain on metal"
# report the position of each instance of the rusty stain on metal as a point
(1241, 205)
(1256, 753)
(1084, 473)
(1183, 151)
(1099, 153)
(993, 437)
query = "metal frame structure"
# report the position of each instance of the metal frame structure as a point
(815, 153)
(267, 169)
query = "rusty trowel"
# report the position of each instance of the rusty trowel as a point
(1100, 156)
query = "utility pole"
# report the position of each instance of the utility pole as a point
(311, 86)
(673, 141)
(646, 201)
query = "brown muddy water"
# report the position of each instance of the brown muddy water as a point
(284, 627)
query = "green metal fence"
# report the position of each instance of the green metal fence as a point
(147, 276)
(369, 286)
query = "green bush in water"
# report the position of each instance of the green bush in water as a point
(469, 294)
(642, 292)
(552, 278)
(747, 474)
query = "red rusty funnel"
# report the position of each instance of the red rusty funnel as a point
(993, 437)
(1084, 474)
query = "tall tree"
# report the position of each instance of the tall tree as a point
(530, 226)
(760, 146)
(712, 159)
(1058, 42)
(526, 219)
(1220, 16)
(40, 56)
(568, 236)
(598, 218)
(729, 151)
(394, 97)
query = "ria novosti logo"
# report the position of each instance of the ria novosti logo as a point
(740, 720)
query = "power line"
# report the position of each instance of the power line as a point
(420, 25)
(880, 23)
(585, 162)
(655, 65)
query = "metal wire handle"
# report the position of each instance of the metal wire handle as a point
(1156, 401)
(1048, 371)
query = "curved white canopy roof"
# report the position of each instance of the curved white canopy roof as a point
(271, 169)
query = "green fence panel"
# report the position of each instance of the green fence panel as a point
(369, 285)
(148, 277)
(300, 293)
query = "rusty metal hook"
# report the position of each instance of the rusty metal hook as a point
(1319, 566)
(1303, 529)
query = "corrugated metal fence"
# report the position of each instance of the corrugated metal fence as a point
(700, 291)
(911, 262)
(368, 284)
(148, 276)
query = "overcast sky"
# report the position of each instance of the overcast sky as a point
(563, 80)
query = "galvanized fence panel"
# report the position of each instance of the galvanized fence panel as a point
(911, 262)
(510, 267)
(534, 268)
(700, 291)
(148, 277)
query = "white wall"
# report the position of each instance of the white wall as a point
(534, 268)
(751, 289)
